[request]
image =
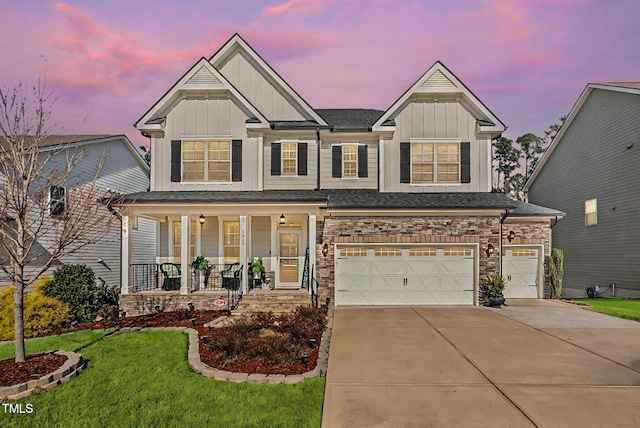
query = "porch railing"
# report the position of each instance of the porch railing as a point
(313, 289)
(224, 278)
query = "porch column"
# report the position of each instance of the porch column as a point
(243, 252)
(124, 256)
(184, 254)
(312, 246)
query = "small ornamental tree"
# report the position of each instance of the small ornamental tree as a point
(46, 211)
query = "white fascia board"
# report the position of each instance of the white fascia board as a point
(224, 209)
(181, 86)
(236, 40)
(614, 88)
(572, 114)
(459, 89)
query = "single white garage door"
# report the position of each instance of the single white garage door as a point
(427, 275)
(520, 267)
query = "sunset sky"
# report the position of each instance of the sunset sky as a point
(528, 61)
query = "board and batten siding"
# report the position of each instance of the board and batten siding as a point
(201, 118)
(426, 118)
(329, 182)
(291, 182)
(260, 90)
(593, 161)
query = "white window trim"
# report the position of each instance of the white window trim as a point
(594, 212)
(356, 145)
(206, 158)
(435, 141)
(282, 143)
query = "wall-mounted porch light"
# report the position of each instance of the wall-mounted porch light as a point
(325, 249)
(283, 219)
(201, 219)
(511, 236)
(489, 250)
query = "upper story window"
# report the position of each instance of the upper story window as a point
(206, 161)
(591, 212)
(426, 162)
(435, 163)
(289, 158)
(57, 200)
(349, 161)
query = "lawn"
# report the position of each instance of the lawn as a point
(142, 379)
(622, 308)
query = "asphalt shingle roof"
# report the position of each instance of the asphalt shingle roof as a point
(350, 118)
(524, 209)
(372, 199)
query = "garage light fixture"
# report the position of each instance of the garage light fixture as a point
(511, 236)
(325, 249)
(201, 219)
(283, 219)
(489, 250)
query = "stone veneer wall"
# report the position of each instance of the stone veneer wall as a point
(404, 230)
(528, 233)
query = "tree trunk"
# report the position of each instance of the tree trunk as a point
(18, 305)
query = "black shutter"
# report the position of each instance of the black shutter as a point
(405, 162)
(363, 161)
(236, 160)
(465, 162)
(276, 159)
(302, 158)
(176, 160)
(336, 161)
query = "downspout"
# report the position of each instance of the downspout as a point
(318, 159)
(502, 219)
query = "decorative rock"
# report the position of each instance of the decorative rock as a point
(275, 378)
(257, 378)
(238, 377)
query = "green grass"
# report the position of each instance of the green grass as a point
(622, 308)
(142, 379)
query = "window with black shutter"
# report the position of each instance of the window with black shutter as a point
(363, 161)
(336, 161)
(302, 158)
(465, 162)
(405, 162)
(276, 159)
(236, 160)
(176, 160)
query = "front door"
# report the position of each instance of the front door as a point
(288, 259)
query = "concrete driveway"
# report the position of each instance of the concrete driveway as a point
(533, 363)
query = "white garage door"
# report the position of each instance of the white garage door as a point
(404, 275)
(520, 268)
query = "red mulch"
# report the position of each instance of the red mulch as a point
(196, 319)
(36, 366)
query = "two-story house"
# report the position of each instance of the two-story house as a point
(380, 207)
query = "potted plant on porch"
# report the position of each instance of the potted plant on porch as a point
(200, 265)
(492, 290)
(257, 268)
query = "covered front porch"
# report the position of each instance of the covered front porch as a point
(230, 241)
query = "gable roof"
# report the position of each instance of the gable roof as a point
(238, 42)
(626, 87)
(439, 80)
(202, 75)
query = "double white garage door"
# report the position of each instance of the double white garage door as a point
(427, 275)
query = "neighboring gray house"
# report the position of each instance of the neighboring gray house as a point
(393, 207)
(591, 171)
(124, 171)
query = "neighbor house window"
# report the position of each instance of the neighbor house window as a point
(177, 238)
(289, 158)
(591, 212)
(231, 241)
(435, 163)
(57, 200)
(349, 161)
(206, 161)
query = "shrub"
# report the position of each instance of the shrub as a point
(42, 314)
(556, 272)
(492, 286)
(75, 285)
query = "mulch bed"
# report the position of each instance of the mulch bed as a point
(196, 319)
(36, 366)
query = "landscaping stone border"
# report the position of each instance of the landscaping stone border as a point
(70, 369)
(198, 366)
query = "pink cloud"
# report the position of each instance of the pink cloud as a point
(295, 7)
